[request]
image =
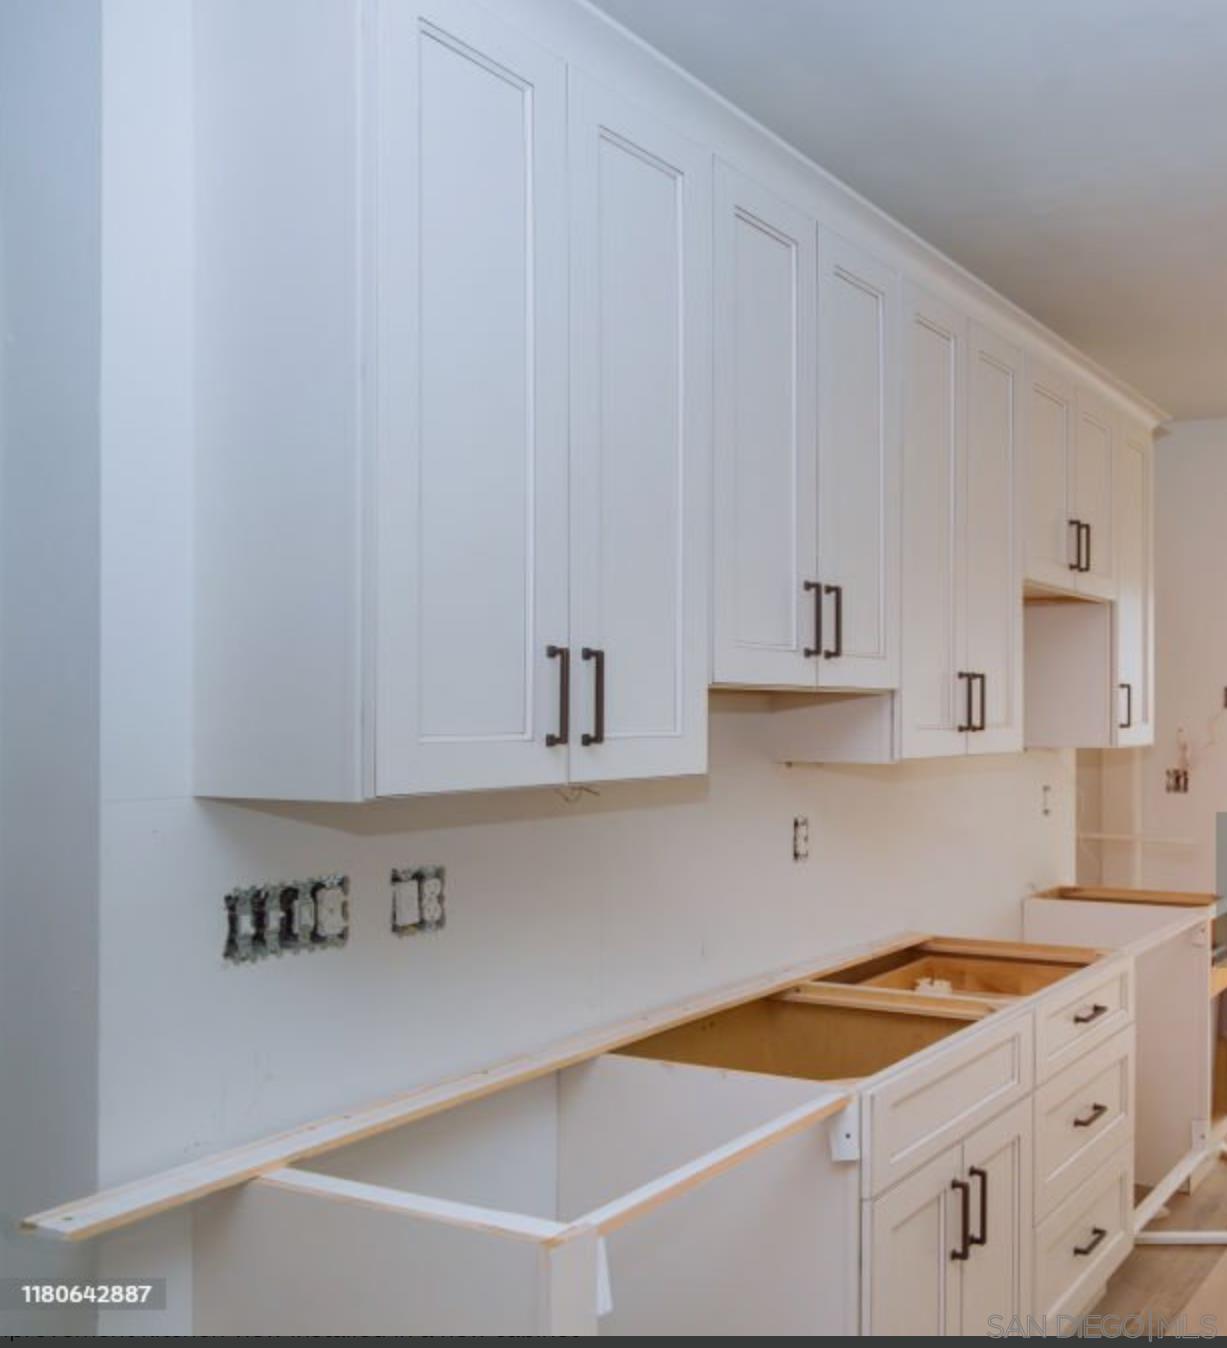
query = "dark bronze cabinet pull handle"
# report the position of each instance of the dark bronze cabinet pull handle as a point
(1097, 1235)
(1086, 563)
(1097, 1112)
(1094, 1013)
(563, 655)
(1076, 564)
(1127, 723)
(982, 723)
(969, 722)
(982, 1176)
(598, 729)
(964, 1250)
(838, 649)
(812, 586)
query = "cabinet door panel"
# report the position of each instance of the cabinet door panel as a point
(997, 1278)
(1049, 545)
(1091, 493)
(994, 579)
(910, 1231)
(1132, 506)
(859, 462)
(640, 429)
(932, 701)
(765, 466)
(472, 411)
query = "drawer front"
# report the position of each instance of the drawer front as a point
(1082, 1116)
(915, 1115)
(1071, 1022)
(1084, 1240)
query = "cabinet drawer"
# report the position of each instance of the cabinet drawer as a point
(1070, 1023)
(924, 1109)
(1082, 1116)
(1083, 1241)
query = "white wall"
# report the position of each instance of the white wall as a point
(561, 914)
(1178, 831)
(49, 241)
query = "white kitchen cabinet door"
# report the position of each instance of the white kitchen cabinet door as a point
(859, 466)
(1090, 494)
(640, 440)
(993, 574)
(911, 1232)
(996, 1277)
(765, 487)
(936, 692)
(1051, 544)
(1132, 503)
(472, 386)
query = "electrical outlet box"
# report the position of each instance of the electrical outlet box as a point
(800, 838)
(332, 910)
(270, 919)
(418, 899)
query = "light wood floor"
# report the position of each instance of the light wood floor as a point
(1165, 1282)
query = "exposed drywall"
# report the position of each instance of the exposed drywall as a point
(49, 242)
(1176, 832)
(561, 914)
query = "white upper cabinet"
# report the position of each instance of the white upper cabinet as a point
(522, 417)
(859, 466)
(1069, 528)
(807, 451)
(765, 480)
(1132, 497)
(936, 702)
(472, 446)
(1051, 535)
(993, 569)
(1090, 494)
(962, 588)
(641, 390)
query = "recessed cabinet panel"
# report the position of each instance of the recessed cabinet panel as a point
(910, 1233)
(472, 434)
(933, 705)
(1131, 498)
(858, 466)
(993, 575)
(765, 470)
(1051, 548)
(997, 1275)
(1091, 495)
(640, 427)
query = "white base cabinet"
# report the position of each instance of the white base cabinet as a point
(949, 1247)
